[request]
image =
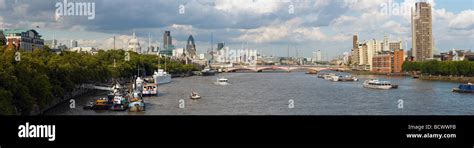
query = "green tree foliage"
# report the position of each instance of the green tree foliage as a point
(43, 76)
(445, 68)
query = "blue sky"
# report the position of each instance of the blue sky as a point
(266, 25)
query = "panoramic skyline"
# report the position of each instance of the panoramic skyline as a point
(268, 26)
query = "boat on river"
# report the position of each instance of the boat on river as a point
(161, 77)
(208, 72)
(194, 96)
(464, 88)
(222, 81)
(376, 84)
(335, 78)
(349, 78)
(119, 103)
(150, 89)
(98, 104)
(328, 76)
(312, 72)
(137, 104)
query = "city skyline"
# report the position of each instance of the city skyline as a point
(268, 26)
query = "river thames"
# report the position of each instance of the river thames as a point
(295, 93)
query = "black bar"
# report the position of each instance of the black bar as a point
(238, 129)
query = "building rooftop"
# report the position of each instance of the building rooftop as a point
(19, 31)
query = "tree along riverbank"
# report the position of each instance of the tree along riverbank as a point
(35, 81)
(453, 71)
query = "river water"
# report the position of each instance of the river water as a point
(295, 93)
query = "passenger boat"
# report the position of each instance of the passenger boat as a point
(150, 89)
(222, 81)
(376, 84)
(464, 88)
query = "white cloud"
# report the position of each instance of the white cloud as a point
(188, 29)
(366, 22)
(396, 27)
(291, 30)
(121, 42)
(443, 14)
(21, 9)
(257, 6)
(269, 33)
(342, 21)
(464, 20)
(2, 4)
(364, 5)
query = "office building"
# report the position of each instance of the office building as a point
(73, 44)
(422, 32)
(167, 40)
(355, 51)
(191, 47)
(220, 46)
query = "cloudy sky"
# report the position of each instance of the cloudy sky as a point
(270, 26)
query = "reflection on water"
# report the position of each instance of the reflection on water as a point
(269, 94)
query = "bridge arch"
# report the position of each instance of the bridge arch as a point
(239, 68)
(304, 68)
(272, 68)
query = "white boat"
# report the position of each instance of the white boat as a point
(328, 76)
(222, 81)
(161, 77)
(376, 84)
(348, 78)
(194, 95)
(208, 72)
(334, 78)
(150, 89)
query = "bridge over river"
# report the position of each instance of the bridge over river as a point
(283, 68)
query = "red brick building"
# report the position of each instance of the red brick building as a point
(398, 59)
(388, 62)
(382, 63)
